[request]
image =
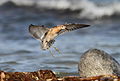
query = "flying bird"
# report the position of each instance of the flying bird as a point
(47, 35)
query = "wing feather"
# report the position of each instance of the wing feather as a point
(38, 32)
(71, 27)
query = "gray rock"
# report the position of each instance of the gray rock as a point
(96, 62)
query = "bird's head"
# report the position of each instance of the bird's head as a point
(47, 44)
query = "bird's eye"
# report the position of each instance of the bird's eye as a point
(45, 34)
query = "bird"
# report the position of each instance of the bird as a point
(47, 35)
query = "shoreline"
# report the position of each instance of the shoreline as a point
(110, 70)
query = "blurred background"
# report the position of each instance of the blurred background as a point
(20, 52)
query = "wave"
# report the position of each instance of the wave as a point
(88, 8)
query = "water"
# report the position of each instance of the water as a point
(20, 52)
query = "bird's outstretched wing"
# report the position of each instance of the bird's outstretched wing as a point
(71, 27)
(37, 32)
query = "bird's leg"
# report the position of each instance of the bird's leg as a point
(57, 49)
(51, 53)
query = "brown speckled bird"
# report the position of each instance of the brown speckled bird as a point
(47, 35)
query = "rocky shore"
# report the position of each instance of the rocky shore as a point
(94, 65)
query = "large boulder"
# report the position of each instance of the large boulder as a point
(96, 62)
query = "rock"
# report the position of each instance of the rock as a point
(96, 62)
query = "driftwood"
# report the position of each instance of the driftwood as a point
(48, 75)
